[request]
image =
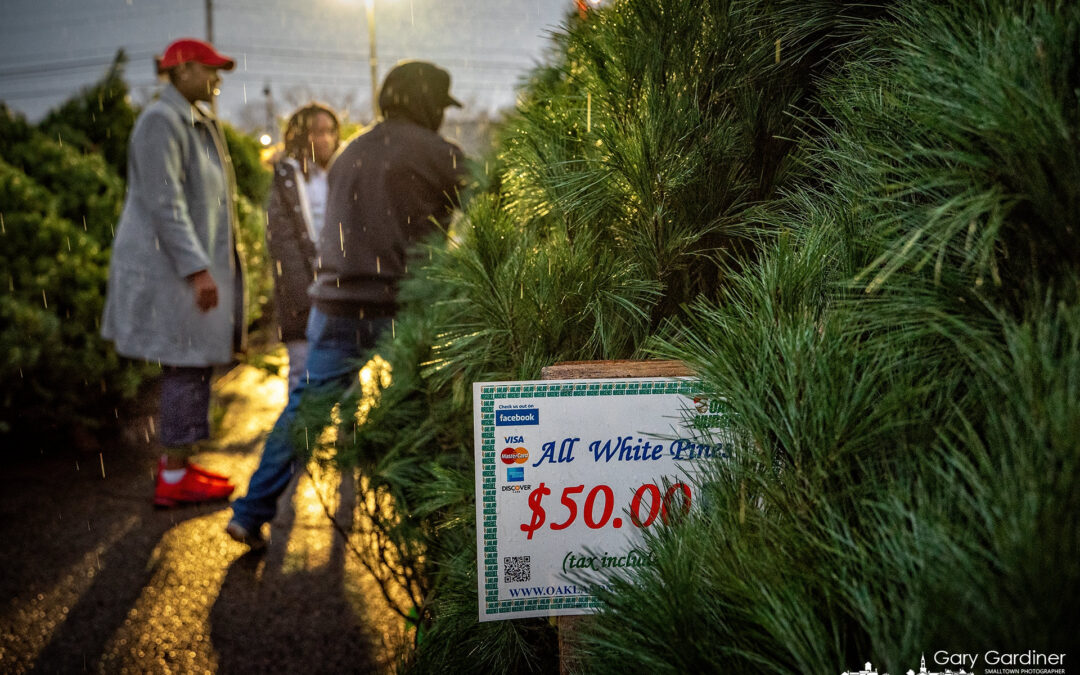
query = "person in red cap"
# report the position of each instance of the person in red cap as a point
(175, 288)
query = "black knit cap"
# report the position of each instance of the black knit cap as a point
(418, 90)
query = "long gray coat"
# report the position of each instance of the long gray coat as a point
(179, 218)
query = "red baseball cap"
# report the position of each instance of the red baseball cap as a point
(190, 49)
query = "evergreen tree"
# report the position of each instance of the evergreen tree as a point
(896, 371)
(59, 375)
(99, 119)
(856, 222)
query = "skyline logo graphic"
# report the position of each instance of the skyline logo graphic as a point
(518, 417)
(515, 474)
(869, 670)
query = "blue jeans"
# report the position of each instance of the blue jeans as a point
(335, 344)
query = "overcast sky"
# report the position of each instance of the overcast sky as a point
(50, 48)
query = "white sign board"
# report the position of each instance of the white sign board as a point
(568, 475)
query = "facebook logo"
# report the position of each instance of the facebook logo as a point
(519, 417)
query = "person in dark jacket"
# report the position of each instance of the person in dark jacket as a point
(390, 187)
(295, 215)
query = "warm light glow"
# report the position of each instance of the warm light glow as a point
(265, 139)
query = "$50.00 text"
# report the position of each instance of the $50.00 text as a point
(657, 506)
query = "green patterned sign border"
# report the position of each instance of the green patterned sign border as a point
(489, 394)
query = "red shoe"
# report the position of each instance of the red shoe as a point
(196, 468)
(191, 489)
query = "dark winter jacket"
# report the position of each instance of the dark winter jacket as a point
(292, 252)
(389, 188)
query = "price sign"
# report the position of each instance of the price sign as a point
(570, 473)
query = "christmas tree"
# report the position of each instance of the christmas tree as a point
(857, 223)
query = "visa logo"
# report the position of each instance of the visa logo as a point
(519, 417)
(515, 474)
(515, 439)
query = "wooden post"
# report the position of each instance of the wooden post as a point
(579, 370)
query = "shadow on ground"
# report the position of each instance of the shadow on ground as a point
(95, 580)
(246, 624)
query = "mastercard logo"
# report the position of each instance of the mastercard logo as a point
(514, 455)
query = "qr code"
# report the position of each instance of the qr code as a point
(516, 569)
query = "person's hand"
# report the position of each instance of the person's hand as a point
(206, 295)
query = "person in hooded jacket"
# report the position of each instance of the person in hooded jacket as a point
(175, 287)
(390, 188)
(295, 215)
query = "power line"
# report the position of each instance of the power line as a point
(283, 65)
(77, 68)
(277, 79)
(88, 52)
(82, 19)
(339, 55)
(70, 19)
(68, 65)
(57, 91)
